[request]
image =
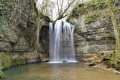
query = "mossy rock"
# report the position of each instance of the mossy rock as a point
(84, 8)
(89, 18)
(6, 60)
(78, 28)
(2, 75)
(112, 60)
(19, 61)
(92, 63)
(78, 10)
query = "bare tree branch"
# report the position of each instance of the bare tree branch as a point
(47, 7)
(62, 14)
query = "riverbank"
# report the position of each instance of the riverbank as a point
(102, 60)
(11, 59)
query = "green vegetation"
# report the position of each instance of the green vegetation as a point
(8, 61)
(105, 59)
(78, 27)
(91, 10)
(115, 56)
(84, 8)
(111, 61)
(97, 9)
(92, 63)
(78, 10)
(2, 75)
(91, 18)
(19, 61)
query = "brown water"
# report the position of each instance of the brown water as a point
(62, 71)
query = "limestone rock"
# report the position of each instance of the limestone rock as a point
(33, 57)
(18, 58)
(22, 35)
(95, 36)
(5, 46)
(22, 45)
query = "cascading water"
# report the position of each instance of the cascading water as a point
(61, 42)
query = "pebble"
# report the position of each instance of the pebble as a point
(117, 72)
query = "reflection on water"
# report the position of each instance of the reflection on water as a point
(63, 71)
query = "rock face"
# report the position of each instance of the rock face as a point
(93, 32)
(90, 36)
(22, 35)
(8, 60)
(44, 38)
(94, 36)
(18, 43)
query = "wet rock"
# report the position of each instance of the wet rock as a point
(117, 72)
(18, 58)
(95, 36)
(92, 64)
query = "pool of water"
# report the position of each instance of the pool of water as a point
(61, 71)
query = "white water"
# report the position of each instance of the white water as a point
(61, 42)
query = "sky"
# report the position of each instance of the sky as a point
(54, 9)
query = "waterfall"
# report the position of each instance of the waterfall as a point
(61, 42)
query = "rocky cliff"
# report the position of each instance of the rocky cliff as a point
(18, 34)
(95, 36)
(94, 30)
(93, 33)
(22, 35)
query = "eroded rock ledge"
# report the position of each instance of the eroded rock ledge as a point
(18, 43)
(18, 58)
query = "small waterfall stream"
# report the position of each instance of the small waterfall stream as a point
(61, 42)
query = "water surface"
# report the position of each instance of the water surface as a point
(61, 71)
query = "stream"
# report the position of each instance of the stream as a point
(61, 71)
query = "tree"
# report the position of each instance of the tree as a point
(111, 5)
(45, 7)
(62, 10)
(115, 59)
(57, 8)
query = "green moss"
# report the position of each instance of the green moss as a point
(70, 20)
(19, 61)
(112, 60)
(78, 27)
(6, 59)
(2, 75)
(93, 63)
(78, 10)
(84, 8)
(91, 18)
